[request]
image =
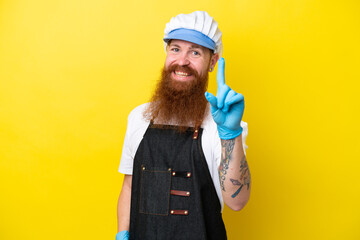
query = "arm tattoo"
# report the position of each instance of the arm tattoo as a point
(245, 177)
(227, 147)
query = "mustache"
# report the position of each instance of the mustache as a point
(187, 69)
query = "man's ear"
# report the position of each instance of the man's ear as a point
(214, 59)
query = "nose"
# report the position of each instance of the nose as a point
(183, 59)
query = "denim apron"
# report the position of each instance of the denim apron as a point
(173, 195)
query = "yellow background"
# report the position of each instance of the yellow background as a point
(71, 71)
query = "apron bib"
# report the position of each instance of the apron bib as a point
(173, 195)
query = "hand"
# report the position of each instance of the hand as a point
(227, 108)
(123, 235)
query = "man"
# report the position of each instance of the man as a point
(182, 157)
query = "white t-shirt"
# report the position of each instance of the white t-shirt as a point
(211, 144)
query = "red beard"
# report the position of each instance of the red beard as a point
(176, 102)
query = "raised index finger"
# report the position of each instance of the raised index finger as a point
(221, 73)
(222, 89)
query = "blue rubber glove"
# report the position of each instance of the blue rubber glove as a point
(227, 108)
(123, 235)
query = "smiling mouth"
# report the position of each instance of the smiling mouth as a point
(182, 74)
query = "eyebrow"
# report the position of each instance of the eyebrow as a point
(194, 46)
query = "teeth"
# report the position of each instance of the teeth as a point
(182, 73)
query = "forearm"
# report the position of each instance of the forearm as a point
(123, 207)
(234, 174)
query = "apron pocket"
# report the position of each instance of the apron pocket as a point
(155, 191)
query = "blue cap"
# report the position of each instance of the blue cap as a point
(191, 36)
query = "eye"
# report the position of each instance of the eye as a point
(174, 49)
(196, 53)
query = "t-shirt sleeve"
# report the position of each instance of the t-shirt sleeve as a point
(136, 127)
(244, 125)
(126, 163)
